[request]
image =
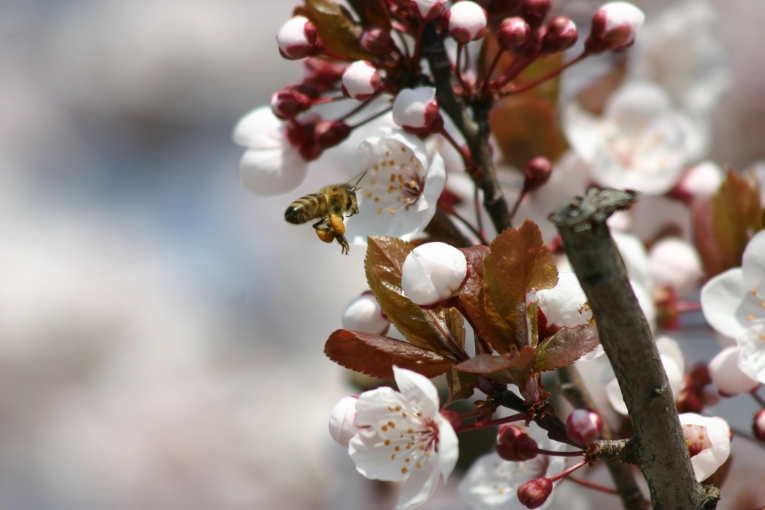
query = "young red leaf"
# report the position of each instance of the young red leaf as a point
(461, 385)
(338, 32)
(375, 355)
(513, 368)
(428, 329)
(372, 12)
(565, 347)
(486, 363)
(518, 262)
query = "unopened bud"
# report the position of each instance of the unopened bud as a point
(298, 39)
(513, 33)
(376, 41)
(758, 427)
(676, 263)
(536, 173)
(534, 493)
(341, 422)
(360, 80)
(415, 108)
(584, 426)
(534, 11)
(466, 21)
(286, 104)
(614, 26)
(321, 75)
(328, 133)
(727, 375)
(561, 35)
(433, 272)
(515, 445)
(364, 314)
(426, 10)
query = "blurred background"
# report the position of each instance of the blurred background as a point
(161, 329)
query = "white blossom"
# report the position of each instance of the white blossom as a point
(492, 483)
(298, 39)
(734, 304)
(271, 165)
(403, 436)
(675, 263)
(708, 442)
(399, 189)
(639, 143)
(433, 272)
(727, 376)
(467, 21)
(427, 9)
(364, 314)
(361, 80)
(415, 108)
(702, 180)
(341, 422)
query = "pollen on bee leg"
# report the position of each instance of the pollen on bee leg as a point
(338, 227)
(325, 236)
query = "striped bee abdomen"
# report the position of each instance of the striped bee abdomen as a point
(306, 208)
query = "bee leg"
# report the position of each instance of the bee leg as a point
(343, 242)
(324, 231)
(338, 227)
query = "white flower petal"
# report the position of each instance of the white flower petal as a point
(754, 262)
(260, 129)
(615, 397)
(268, 172)
(419, 487)
(675, 263)
(448, 447)
(751, 346)
(582, 131)
(713, 434)
(418, 389)
(635, 258)
(727, 376)
(667, 346)
(364, 449)
(563, 304)
(721, 298)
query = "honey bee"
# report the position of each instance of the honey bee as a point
(329, 205)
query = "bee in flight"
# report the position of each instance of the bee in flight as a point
(329, 206)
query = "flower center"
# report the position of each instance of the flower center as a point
(395, 181)
(697, 438)
(408, 438)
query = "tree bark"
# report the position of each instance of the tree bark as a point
(658, 442)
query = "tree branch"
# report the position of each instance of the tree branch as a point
(475, 131)
(658, 443)
(576, 393)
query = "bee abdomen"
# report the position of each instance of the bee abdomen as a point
(306, 208)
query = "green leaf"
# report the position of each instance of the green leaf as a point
(736, 217)
(372, 13)
(461, 385)
(423, 328)
(518, 262)
(338, 32)
(565, 347)
(375, 355)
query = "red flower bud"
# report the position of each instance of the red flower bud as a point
(561, 35)
(536, 173)
(758, 427)
(512, 33)
(534, 493)
(286, 104)
(376, 41)
(514, 444)
(321, 74)
(534, 11)
(328, 133)
(584, 426)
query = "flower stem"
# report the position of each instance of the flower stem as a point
(357, 109)
(418, 48)
(490, 71)
(517, 204)
(373, 117)
(476, 232)
(594, 486)
(682, 306)
(491, 423)
(568, 471)
(758, 398)
(457, 70)
(552, 74)
(478, 215)
(559, 454)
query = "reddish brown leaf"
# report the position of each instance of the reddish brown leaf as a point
(513, 368)
(565, 347)
(338, 32)
(375, 355)
(461, 385)
(428, 329)
(372, 12)
(518, 262)
(472, 298)
(736, 217)
(486, 364)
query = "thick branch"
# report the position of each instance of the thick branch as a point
(576, 393)
(658, 443)
(476, 132)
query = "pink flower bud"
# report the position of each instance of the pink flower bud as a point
(536, 173)
(614, 26)
(727, 375)
(433, 272)
(513, 33)
(360, 80)
(561, 35)
(328, 133)
(376, 41)
(758, 427)
(534, 11)
(466, 21)
(675, 263)
(341, 422)
(298, 39)
(321, 75)
(515, 445)
(426, 10)
(708, 440)
(415, 108)
(534, 493)
(584, 426)
(364, 314)
(286, 104)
